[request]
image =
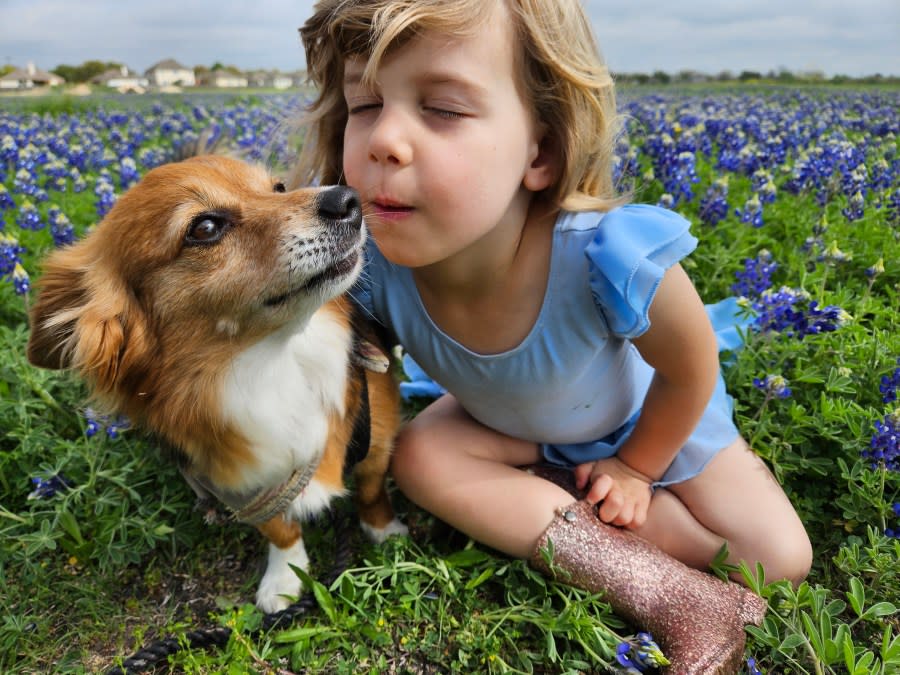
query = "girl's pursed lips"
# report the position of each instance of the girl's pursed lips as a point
(389, 204)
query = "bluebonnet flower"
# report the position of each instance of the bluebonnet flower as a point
(666, 201)
(884, 446)
(889, 385)
(855, 208)
(113, 425)
(24, 183)
(6, 202)
(106, 196)
(128, 173)
(151, 157)
(79, 184)
(876, 269)
(9, 149)
(762, 184)
(756, 278)
(45, 488)
(60, 227)
(714, 204)
(775, 386)
(10, 258)
(28, 217)
(639, 654)
(783, 311)
(751, 667)
(890, 531)
(21, 281)
(752, 212)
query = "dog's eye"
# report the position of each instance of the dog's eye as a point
(206, 229)
(278, 187)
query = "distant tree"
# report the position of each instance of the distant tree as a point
(749, 75)
(6, 70)
(85, 71)
(785, 75)
(661, 77)
(725, 76)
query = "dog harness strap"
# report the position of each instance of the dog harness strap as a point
(358, 447)
(260, 507)
(265, 506)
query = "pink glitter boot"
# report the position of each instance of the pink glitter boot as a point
(697, 619)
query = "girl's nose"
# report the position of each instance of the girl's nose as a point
(389, 140)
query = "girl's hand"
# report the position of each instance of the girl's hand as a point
(625, 493)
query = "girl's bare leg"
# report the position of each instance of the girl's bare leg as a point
(736, 500)
(464, 473)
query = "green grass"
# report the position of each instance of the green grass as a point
(121, 558)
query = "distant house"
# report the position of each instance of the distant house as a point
(270, 79)
(122, 79)
(169, 72)
(222, 78)
(29, 77)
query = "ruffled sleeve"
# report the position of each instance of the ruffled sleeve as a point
(631, 250)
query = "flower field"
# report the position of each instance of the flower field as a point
(795, 197)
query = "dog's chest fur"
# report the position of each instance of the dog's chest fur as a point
(281, 392)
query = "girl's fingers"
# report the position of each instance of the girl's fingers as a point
(612, 506)
(582, 474)
(599, 489)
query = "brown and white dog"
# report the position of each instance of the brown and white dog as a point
(208, 306)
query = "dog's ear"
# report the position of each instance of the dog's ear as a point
(61, 294)
(86, 319)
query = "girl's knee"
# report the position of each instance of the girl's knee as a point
(787, 557)
(410, 456)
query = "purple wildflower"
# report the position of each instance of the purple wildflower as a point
(756, 277)
(639, 654)
(884, 447)
(752, 212)
(889, 385)
(791, 312)
(45, 488)
(775, 386)
(714, 204)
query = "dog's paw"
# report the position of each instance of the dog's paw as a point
(279, 579)
(378, 536)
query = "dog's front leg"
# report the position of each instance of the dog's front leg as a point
(285, 549)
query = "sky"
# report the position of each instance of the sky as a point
(854, 38)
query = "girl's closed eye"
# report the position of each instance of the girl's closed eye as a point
(359, 108)
(443, 113)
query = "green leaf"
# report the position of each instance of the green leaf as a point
(856, 596)
(466, 557)
(791, 642)
(880, 609)
(323, 595)
(484, 576)
(70, 525)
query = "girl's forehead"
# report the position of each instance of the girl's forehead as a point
(483, 52)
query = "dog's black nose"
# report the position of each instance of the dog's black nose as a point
(341, 205)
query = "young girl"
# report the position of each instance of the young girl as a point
(479, 134)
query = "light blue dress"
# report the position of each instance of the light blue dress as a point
(576, 383)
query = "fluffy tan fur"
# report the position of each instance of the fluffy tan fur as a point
(153, 324)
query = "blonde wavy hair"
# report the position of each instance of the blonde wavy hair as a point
(561, 73)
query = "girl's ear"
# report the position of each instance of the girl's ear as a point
(545, 165)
